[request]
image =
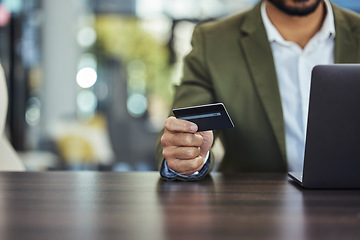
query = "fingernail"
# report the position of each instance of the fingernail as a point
(193, 128)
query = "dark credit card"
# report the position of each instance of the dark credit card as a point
(207, 117)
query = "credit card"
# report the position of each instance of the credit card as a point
(206, 117)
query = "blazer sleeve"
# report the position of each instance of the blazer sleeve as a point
(195, 88)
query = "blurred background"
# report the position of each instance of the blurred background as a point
(91, 81)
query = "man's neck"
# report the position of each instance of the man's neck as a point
(293, 28)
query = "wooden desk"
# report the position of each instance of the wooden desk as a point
(94, 205)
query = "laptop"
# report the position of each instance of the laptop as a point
(332, 148)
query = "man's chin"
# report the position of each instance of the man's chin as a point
(300, 8)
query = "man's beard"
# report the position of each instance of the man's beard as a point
(295, 11)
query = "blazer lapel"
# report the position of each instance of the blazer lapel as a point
(346, 41)
(260, 61)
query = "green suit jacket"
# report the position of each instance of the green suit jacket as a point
(231, 62)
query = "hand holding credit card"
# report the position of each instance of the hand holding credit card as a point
(206, 117)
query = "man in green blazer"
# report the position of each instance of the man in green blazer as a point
(242, 61)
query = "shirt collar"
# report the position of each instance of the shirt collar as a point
(327, 30)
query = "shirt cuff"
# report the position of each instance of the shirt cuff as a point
(170, 174)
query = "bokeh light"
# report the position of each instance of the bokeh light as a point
(137, 105)
(86, 77)
(33, 112)
(87, 101)
(86, 37)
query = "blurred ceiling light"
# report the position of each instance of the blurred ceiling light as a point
(86, 37)
(137, 105)
(86, 77)
(86, 101)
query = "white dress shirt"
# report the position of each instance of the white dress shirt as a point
(293, 67)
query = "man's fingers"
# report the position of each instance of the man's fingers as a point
(186, 167)
(184, 153)
(173, 124)
(181, 139)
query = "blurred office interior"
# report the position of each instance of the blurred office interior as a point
(91, 81)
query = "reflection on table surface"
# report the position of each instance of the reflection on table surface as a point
(139, 205)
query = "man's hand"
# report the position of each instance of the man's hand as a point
(183, 148)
